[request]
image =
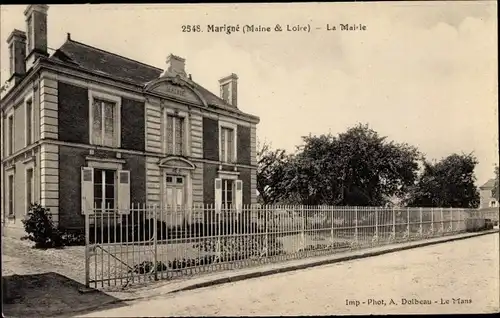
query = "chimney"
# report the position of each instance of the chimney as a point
(175, 66)
(229, 89)
(17, 53)
(36, 28)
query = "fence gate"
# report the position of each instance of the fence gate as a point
(120, 247)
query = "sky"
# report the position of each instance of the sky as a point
(424, 73)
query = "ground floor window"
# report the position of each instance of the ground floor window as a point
(104, 188)
(10, 191)
(30, 185)
(227, 193)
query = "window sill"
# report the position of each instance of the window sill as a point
(108, 160)
(105, 147)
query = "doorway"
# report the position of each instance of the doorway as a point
(174, 199)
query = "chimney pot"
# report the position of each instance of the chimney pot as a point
(17, 53)
(176, 65)
(36, 28)
(229, 89)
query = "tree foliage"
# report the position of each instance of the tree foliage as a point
(270, 172)
(494, 192)
(447, 183)
(357, 167)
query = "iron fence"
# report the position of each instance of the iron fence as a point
(150, 243)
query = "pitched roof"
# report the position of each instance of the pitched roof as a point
(489, 184)
(117, 66)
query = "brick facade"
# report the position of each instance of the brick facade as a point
(140, 131)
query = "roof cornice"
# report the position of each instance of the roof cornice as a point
(59, 67)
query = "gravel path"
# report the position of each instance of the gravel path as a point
(44, 283)
(20, 259)
(455, 277)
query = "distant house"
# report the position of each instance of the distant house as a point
(83, 127)
(486, 195)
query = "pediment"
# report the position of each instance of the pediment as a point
(176, 163)
(176, 87)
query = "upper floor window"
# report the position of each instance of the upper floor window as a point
(227, 142)
(175, 133)
(105, 120)
(10, 134)
(29, 121)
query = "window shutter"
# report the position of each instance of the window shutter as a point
(218, 194)
(123, 191)
(238, 198)
(87, 191)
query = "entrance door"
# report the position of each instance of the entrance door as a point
(174, 199)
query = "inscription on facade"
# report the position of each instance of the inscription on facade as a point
(175, 90)
(181, 92)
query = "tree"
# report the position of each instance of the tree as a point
(270, 171)
(357, 167)
(494, 192)
(447, 183)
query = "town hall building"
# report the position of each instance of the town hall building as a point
(84, 128)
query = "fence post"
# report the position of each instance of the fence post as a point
(432, 221)
(451, 220)
(266, 212)
(420, 228)
(218, 217)
(442, 221)
(356, 224)
(394, 223)
(408, 223)
(375, 238)
(155, 240)
(302, 234)
(331, 231)
(87, 246)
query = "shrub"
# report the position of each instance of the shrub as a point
(148, 267)
(177, 264)
(40, 228)
(73, 239)
(241, 247)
